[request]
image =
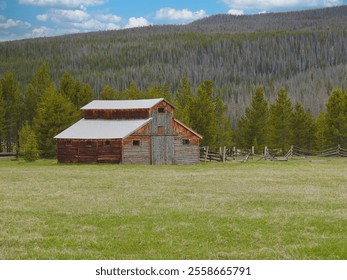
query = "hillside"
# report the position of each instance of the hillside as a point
(304, 51)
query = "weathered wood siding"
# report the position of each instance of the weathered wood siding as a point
(89, 151)
(162, 149)
(117, 114)
(186, 153)
(138, 154)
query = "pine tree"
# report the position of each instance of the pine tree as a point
(55, 113)
(336, 119)
(78, 93)
(280, 133)
(108, 93)
(253, 126)
(2, 118)
(224, 129)
(203, 114)
(28, 148)
(11, 100)
(37, 86)
(183, 101)
(303, 128)
(321, 129)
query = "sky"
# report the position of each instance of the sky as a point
(22, 19)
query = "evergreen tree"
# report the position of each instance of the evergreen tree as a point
(303, 128)
(78, 93)
(224, 129)
(336, 119)
(253, 126)
(55, 113)
(132, 93)
(280, 133)
(28, 148)
(183, 101)
(11, 103)
(321, 129)
(108, 93)
(203, 114)
(2, 118)
(39, 83)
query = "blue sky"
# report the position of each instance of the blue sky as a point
(21, 19)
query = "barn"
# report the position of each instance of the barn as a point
(129, 132)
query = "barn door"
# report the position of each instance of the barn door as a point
(162, 149)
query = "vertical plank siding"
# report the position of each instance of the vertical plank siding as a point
(129, 114)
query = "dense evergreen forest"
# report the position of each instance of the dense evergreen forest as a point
(296, 57)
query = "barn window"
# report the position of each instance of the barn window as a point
(160, 129)
(68, 143)
(107, 143)
(136, 142)
(185, 141)
(161, 110)
(88, 143)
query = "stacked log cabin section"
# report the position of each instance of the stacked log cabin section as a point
(129, 132)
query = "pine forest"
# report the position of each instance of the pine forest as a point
(276, 79)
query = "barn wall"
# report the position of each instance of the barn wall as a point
(186, 153)
(117, 114)
(89, 151)
(137, 154)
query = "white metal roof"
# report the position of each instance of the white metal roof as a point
(122, 104)
(101, 129)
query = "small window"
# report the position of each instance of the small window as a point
(160, 130)
(185, 141)
(161, 110)
(107, 143)
(88, 143)
(68, 143)
(136, 142)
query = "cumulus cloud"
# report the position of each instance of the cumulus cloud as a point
(137, 22)
(12, 23)
(179, 15)
(60, 3)
(279, 4)
(60, 15)
(235, 12)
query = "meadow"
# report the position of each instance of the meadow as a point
(254, 210)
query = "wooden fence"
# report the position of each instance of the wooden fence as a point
(225, 154)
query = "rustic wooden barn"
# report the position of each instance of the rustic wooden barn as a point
(130, 132)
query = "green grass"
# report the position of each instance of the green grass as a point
(253, 210)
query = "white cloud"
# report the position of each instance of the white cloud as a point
(108, 18)
(12, 23)
(60, 15)
(179, 15)
(235, 12)
(279, 4)
(137, 22)
(62, 3)
(43, 17)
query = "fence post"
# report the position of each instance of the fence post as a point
(338, 150)
(224, 153)
(234, 152)
(206, 154)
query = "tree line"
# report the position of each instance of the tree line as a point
(29, 119)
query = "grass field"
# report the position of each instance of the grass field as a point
(253, 210)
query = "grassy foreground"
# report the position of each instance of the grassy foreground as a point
(254, 210)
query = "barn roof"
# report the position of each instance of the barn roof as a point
(101, 129)
(122, 104)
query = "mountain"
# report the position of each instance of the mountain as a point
(303, 51)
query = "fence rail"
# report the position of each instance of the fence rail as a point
(242, 155)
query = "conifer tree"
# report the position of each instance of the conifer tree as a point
(33, 94)
(336, 119)
(55, 113)
(203, 114)
(321, 129)
(303, 128)
(280, 133)
(224, 129)
(28, 148)
(108, 93)
(2, 118)
(11, 103)
(253, 126)
(183, 101)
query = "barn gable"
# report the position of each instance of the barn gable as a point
(129, 131)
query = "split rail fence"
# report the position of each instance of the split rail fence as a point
(225, 154)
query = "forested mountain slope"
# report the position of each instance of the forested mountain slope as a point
(303, 51)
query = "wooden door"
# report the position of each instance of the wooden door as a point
(162, 149)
